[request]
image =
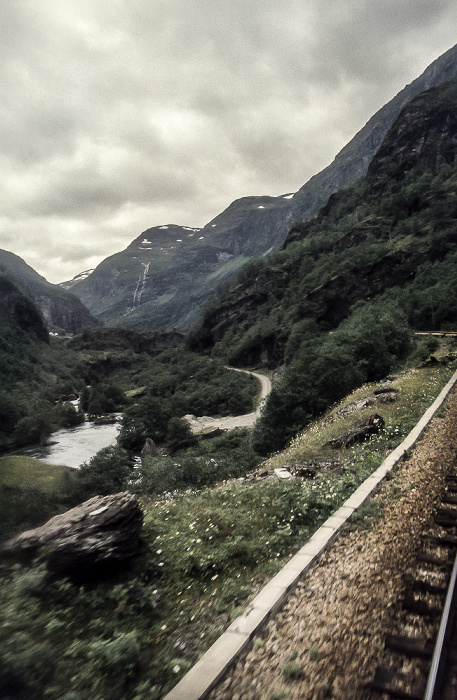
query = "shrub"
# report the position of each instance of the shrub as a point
(36, 426)
(109, 471)
(65, 415)
(179, 435)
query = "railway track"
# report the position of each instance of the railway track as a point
(420, 656)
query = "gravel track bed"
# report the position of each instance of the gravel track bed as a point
(328, 639)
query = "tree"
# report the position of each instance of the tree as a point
(65, 415)
(109, 471)
(36, 426)
(179, 435)
(365, 347)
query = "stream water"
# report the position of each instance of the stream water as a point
(73, 446)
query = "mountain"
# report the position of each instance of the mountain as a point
(353, 160)
(335, 308)
(390, 236)
(19, 313)
(77, 278)
(164, 277)
(60, 309)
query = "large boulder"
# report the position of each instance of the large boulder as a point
(101, 532)
(150, 449)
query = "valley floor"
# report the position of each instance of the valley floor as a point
(333, 626)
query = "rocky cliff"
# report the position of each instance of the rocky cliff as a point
(353, 160)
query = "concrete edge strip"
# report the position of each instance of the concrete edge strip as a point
(205, 674)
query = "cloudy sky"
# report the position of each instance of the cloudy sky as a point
(119, 115)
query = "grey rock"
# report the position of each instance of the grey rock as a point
(358, 431)
(79, 543)
(149, 449)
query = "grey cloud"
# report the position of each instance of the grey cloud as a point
(117, 116)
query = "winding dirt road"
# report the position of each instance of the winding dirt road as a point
(232, 422)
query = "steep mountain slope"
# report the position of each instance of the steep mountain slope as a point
(18, 312)
(22, 332)
(353, 160)
(36, 372)
(165, 282)
(392, 235)
(380, 258)
(59, 308)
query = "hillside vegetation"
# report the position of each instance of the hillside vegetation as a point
(337, 304)
(205, 553)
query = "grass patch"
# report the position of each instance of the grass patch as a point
(17, 470)
(416, 390)
(31, 492)
(366, 516)
(292, 671)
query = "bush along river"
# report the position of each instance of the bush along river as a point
(73, 446)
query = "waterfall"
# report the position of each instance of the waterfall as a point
(140, 286)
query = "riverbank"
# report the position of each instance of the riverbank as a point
(72, 446)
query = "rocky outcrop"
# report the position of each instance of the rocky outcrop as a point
(381, 396)
(353, 160)
(358, 431)
(425, 132)
(150, 449)
(84, 541)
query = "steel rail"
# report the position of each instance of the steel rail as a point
(435, 681)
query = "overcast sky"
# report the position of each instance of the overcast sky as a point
(119, 115)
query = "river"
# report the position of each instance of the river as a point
(73, 446)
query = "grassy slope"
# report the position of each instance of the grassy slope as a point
(206, 553)
(17, 470)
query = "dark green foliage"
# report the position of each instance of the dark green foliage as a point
(36, 426)
(147, 418)
(392, 233)
(424, 349)
(105, 625)
(104, 397)
(223, 457)
(177, 383)
(179, 435)
(34, 376)
(326, 367)
(65, 415)
(108, 472)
